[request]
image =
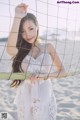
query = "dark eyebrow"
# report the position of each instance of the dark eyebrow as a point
(28, 27)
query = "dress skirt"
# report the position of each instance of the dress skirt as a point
(36, 101)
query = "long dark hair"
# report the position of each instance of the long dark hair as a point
(23, 47)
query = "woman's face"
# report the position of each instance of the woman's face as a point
(29, 32)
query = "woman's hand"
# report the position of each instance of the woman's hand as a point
(33, 78)
(20, 10)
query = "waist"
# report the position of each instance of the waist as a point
(39, 81)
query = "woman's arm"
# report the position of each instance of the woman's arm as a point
(56, 62)
(12, 39)
(60, 70)
(20, 11)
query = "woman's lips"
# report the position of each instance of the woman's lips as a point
(30, 39)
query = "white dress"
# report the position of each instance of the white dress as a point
(36, 101)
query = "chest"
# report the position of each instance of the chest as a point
(38, 58)
(37, 51)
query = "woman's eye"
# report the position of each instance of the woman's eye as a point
(31, 28)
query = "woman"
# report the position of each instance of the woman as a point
(34, 98)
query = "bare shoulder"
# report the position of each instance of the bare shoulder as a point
(50, 48)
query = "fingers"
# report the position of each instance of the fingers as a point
(33, 78)
(22, 5)
(21, 10)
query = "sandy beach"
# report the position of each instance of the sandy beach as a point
(67, 90)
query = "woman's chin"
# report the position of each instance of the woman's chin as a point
(31, 41)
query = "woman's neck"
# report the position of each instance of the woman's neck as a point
(35, 44)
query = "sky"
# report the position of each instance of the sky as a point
(49, 13)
